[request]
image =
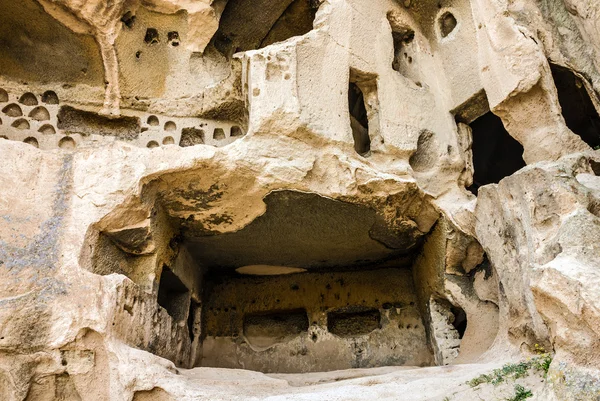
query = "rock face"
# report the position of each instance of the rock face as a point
(310, 191)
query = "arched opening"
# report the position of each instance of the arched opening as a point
(31, 141)
(28, 99)
(66, 143)
(153, 121)
(50, 97)
(460, 320)
(21, 123)
(170, 126)
(12, 110)
(577, 107)
(47, 129)
(40, 113)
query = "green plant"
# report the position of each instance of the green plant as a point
(541, 362)
(521, 393)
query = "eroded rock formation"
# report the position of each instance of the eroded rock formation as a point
(242, 200)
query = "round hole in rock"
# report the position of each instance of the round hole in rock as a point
(66, 143)
(31, 141)
(3, 95)
(21, 123)
(168, 140)
(153, 120)
(12, 110)
(50, 97)
(28, 99)
(170, 126)
(447, 24)
(152, 144)
(40, 113)
(47, 129)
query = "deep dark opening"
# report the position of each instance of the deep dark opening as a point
(151, 36)
(173, 38)
(359, 121)
(173, 295)
(460, 320)
(447, 24)
(577, 107)
(351, 322)
(191, 322)
(495, 153)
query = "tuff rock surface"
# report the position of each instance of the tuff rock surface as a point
(299, 199)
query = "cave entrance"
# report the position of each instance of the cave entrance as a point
(577, 107)
(496, 154)
(173, 295)
(314, 284)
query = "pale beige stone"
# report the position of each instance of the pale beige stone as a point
(339, 199)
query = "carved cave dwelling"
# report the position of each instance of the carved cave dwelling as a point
(299, 199)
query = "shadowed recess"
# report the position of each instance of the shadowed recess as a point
(496, 154)
(308, 231)
(247, 25)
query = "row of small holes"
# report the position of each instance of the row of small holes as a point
(64, 143)
(168, 140)
(29, 99)
(218, 133)
(40, 113)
